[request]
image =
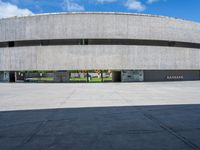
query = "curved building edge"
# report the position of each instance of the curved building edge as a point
(154, 48)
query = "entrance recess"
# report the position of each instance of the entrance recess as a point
(91, 76)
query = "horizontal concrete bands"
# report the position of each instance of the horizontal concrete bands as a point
(53, 42)
(99, 57)
(98, 26)
(87, 41)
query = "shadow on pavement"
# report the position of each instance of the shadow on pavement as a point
(106, 128)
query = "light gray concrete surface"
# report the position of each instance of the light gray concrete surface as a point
(40, 96)
(92, 57)
(98, 25)
(141, 116)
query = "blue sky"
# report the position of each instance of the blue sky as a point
(185, 9)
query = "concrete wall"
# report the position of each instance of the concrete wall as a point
(171, 75)
(103, 26)
(99, 57)
(116, 76)
(98, 25)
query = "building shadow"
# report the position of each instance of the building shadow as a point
(133, 127)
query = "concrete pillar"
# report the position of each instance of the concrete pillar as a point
(61, 76)
(116, 76)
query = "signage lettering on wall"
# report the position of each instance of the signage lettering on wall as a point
(175, 77)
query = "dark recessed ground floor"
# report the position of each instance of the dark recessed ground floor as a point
(95, 76)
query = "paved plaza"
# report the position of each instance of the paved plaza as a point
(139, 116)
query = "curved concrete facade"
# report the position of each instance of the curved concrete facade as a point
(99, 57)
(99, 26)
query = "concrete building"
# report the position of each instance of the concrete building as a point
(135, 47)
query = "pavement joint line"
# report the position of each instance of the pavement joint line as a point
(62, 119)
(30, 122)
(172, 132)
(57, 138)
(125, 99)
(133, 132)
(165, 109)
(30, 137)
(19, 124)
(102, 133)
(70, 95)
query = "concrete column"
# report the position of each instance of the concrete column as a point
(116, 76)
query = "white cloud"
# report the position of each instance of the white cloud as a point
(70, 5)
(10, 10)
(135, 5)
(106, 1)
(152, 1)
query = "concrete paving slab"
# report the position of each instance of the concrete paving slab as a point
(118, 141)
(192, 135)
(163, 115)
(10, 143)
(182, 118)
